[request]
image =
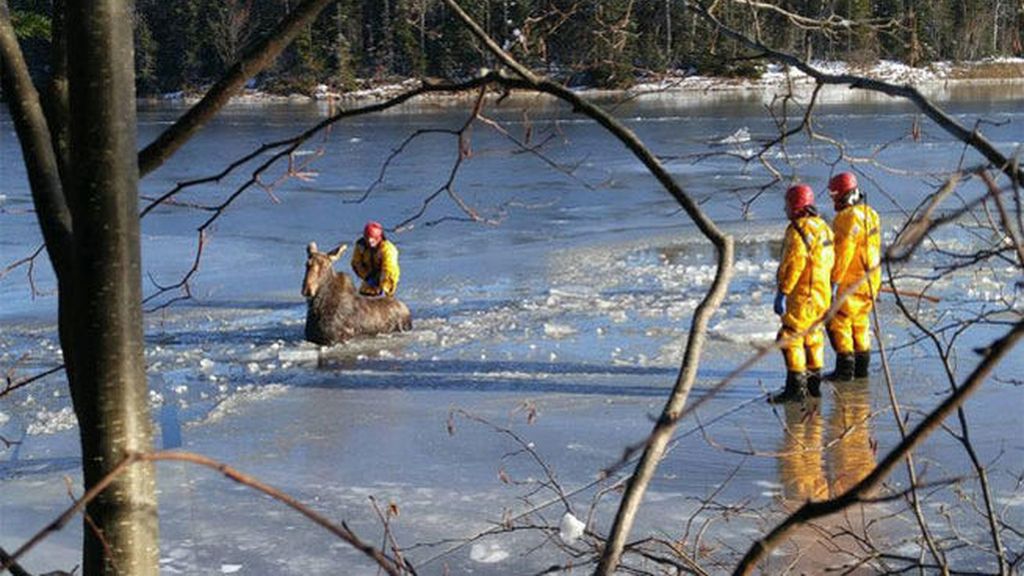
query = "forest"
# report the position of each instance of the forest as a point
(184, 45)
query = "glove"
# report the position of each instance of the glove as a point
(835, 290)
(373, 280)
(780, 303)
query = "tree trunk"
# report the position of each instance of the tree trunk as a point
(108, 383)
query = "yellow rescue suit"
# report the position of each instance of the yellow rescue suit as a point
(858, 252)
(804, 277)
(377, 267)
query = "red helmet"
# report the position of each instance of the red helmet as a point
(842, 184)
(798, 198)
(373, 230)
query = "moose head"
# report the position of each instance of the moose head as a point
(319, 268)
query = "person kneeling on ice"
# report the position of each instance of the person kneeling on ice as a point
(858, 254)
(375, 261)
(804, 294)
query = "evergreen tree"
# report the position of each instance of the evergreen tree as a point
(182, 44)
(453, 50)
(862, 47)
(614, 43)
(409, 59)
(175, 30)
(343, 47)
(146, 49)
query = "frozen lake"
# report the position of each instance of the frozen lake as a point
(572, 307)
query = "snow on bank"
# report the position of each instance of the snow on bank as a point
(777, 75)
(676, 81)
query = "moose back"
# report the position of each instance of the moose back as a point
(336, 311)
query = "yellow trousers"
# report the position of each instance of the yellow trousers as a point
(803, 353)
(850, 329)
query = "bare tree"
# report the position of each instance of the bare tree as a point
(91, 228)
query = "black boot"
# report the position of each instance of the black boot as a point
(795, 390)
(860, 364)
(814, 383)
(844, 369)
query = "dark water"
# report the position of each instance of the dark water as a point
(576, 301)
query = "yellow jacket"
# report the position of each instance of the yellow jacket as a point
(377, 267)
(805, 270)
(858, 249)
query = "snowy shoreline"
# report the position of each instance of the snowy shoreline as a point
(936, 76)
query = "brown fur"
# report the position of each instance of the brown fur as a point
(336, 311)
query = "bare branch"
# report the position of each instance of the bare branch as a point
(15, 568)
(1004, 217)
(253, 60)
(387, 564)
(526, 447)
(11, 385)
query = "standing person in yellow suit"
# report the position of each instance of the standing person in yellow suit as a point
(858, 254)
(375, 261)
(804, 294)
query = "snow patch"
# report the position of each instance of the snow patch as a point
(299, 355)
(739, 136)
(552, 330)
(570, 529)
(488, 553)
(47, 422)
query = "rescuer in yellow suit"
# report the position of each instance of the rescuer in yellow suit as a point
(375, 261)
(804, 294)
(858, 254)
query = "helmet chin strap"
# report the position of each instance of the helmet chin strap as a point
(852, 197)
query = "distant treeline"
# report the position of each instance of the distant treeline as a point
(185, 44)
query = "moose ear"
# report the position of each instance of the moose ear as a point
(337, 252)
(311, 249)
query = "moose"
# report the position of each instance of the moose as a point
(336, 311)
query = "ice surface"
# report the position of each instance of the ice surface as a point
(578, 306)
